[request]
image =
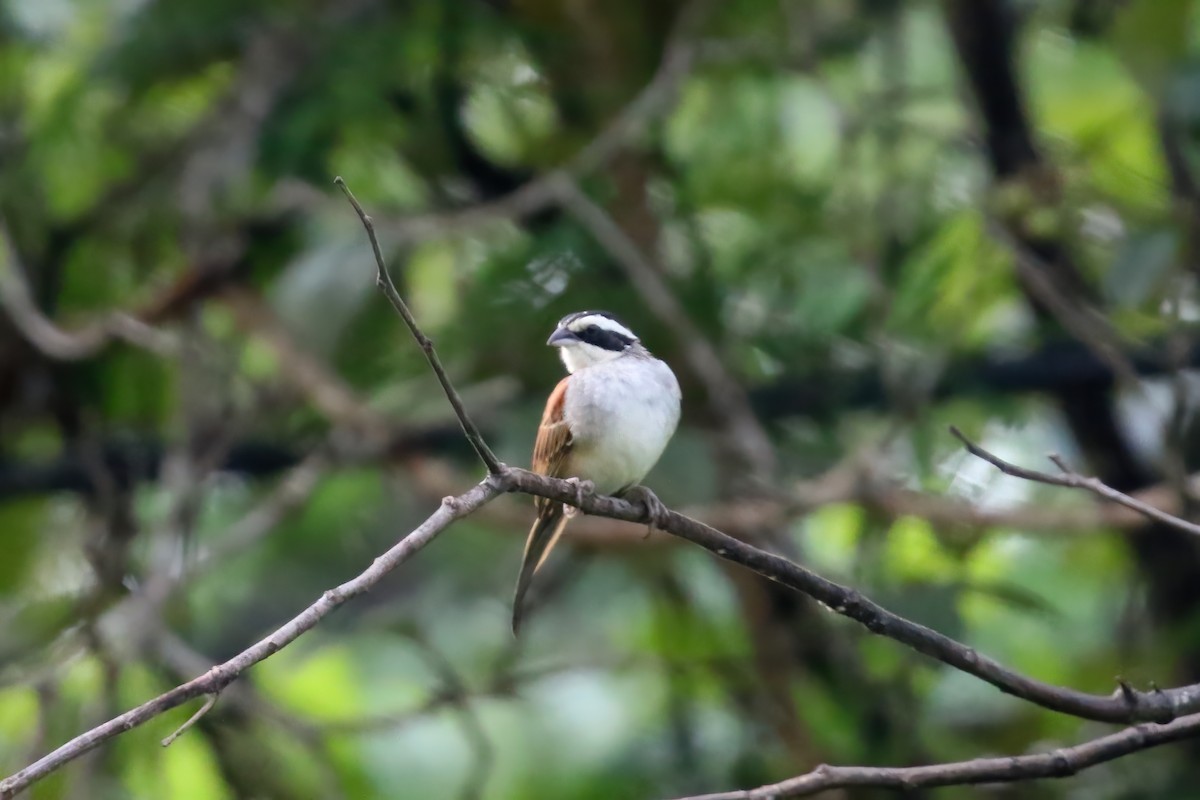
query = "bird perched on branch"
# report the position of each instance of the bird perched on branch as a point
(604, 427)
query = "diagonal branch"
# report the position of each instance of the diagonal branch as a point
(1074, 480)
(1120, 707)
(384, 281)
(1061, 763)
(220, 676)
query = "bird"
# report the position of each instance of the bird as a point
(605, 425)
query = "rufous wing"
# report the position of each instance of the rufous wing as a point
(550, 454)
(553, 444)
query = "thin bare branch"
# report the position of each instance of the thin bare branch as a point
(1074, 480)
(180, 659)
(384, 281)
(1061, 763)
(1125, 705)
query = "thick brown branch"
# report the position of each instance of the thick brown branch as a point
(384, 281)
(1157, 706)
(1060, 763)
(950, 516)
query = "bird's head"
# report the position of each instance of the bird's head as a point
(587, 338)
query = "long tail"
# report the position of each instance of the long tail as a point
(542, 538)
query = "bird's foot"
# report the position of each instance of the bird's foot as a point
(657, 513)
(583, 488)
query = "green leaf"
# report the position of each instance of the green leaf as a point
(1150, 36)
(913, 552)
(322, 685)
(20, 522)
(191, 771)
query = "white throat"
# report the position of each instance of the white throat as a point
(578, 355)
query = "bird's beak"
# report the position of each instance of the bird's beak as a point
(561, 338)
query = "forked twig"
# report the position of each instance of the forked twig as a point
(1073, 480)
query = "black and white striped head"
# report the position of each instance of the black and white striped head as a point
(590, 337)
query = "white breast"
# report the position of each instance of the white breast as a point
(622, 414)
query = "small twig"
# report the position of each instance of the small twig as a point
(192, 720)
(1125, 705)
(181, 660)
(1061, 763)
(384, 281)
(1074, 480)
(1127, 691)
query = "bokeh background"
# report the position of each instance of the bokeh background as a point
(846, 223)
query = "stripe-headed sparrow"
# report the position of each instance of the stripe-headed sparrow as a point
(604, 427)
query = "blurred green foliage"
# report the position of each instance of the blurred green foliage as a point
(814, 192)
